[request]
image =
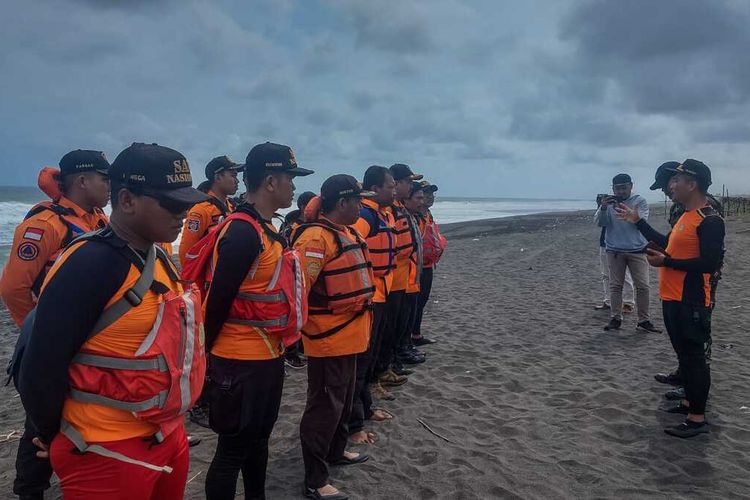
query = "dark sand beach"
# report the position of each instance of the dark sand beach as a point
(533, 398)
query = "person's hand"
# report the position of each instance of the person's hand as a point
(44, 447)
(626, 213)
(655, 257)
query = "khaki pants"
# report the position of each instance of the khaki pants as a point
(638, 266)
(628, 293)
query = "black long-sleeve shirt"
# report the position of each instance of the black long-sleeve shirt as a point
(238, 249)
(68, 309)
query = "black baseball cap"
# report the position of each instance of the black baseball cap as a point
(428, 188)
(696, 168)
(621, 179)
(663, 174)
(400, 171)
(343, 186)
(155, 170)
(84, 160)
(415, 186)
(274, 158)
(220, 164)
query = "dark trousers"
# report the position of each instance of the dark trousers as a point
(362, 403)
(425, 287)
(406, 319)
(244, 404)
(393, 307)
(324, 427)
(689, 329)
(32, 473)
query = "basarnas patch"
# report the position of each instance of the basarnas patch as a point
(28, 251)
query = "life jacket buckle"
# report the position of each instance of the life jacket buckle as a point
(132, 297)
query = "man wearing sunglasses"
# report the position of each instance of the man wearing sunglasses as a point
(107, 312)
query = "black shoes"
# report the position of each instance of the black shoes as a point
(688, 429)
(420, 341)
(313, 493)
(648, 327)
(680, 409)
(361, 458)
(675, 394)
(193, 441)
(614, 324)
(669, 378)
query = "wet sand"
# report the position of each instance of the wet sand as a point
(534, 399)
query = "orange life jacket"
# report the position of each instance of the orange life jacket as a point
(345, 284)
(381, 244)
(162, 380)
(281, 309)
(404, 232)
(433, 243)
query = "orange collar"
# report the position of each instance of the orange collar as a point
(65, 202)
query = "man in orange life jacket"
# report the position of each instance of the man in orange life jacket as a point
(78, 191)
(402, 298)
(115, 357)
(340, 284)
(51, 225)
(414, 205)
(424, 220)
(247, 319)
(687, 258)
(222, 183)
(375, 225)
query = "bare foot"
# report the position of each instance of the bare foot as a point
(351, 455)
(327, 490)
(363, 437)
(380, 415)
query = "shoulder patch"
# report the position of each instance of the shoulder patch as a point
(316, 253)
(193, 225)
(27, 251)
(33, 233)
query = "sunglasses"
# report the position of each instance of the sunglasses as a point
(174, 207)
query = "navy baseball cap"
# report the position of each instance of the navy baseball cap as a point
(274, 158)
(401, 171)
(157, 170)
(220, 164)
(84, 160)
(343, 186)
(696, 168)
(663, 174)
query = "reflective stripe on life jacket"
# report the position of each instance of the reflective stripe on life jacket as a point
(280, 309)
(381, 245)
(404, 231)
(345, 284)
(165, 375)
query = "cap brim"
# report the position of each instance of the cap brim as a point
(415, 177)
(298, 171)
(187, 195)
(655, 186)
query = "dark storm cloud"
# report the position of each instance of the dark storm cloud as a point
(506, 90)
(673, 56)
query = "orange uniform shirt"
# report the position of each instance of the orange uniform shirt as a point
(246, 342)
(35, 242)
(201, 218)
(317, 246)
(401, 273)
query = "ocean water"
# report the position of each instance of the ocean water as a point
(15, 202)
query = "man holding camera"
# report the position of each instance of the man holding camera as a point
(626, 248)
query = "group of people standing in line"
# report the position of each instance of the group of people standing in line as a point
(116, 343)
(690, 259)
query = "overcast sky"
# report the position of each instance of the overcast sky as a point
(526, 98)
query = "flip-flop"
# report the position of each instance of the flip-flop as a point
(389, 415)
